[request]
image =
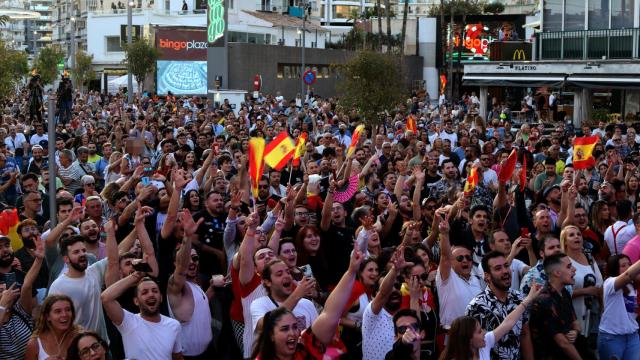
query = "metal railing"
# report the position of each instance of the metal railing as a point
(589, 44)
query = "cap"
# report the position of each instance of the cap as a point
(4, 238)
(548, 190)
(44, 143)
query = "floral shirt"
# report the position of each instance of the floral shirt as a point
(490, 313)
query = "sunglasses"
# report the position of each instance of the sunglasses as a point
(195, 258)
(403, 328)
(461, 258)
(423, 276)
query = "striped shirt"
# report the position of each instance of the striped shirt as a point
(73, 172)
(15, 334)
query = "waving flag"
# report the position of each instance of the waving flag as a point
(582, 150)
(508, 167)
(300, 148)
(256, 163)
(9, 227)
(354, 139)
(472, 181)
(279, 151)
(411, 124)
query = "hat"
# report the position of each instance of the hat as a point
(548, 190)
(4, 238)
(44, 143)
(87, 179)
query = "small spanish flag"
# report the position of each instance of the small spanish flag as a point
(582, 150)
(472, 181)
(508, 167)
(279, 151)
(9, 221)
(256, 163)
(300, 148)
(354, 139)
(411, 124)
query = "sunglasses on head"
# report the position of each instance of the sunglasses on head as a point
(460, 258)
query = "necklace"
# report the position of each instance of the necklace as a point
(59, 343)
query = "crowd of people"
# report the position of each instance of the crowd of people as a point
(161, 249)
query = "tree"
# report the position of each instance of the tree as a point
(47, 63)
(15, 67)
(83, 71)
(379, 15)
(140, 58)
(372, 83)
(494, 8)
(404, 25)
(387, 12)
(4, 19)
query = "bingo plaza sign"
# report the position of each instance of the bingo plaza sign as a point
(182, 44)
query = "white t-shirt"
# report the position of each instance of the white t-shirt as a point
(619, 316)
(455, 294)
(582, 273)
(624, 232)
(35, 139)
(304, 312)
(489, 176)
(15, 143)
(489, 343)
(377, 334)
(85, 294)
(146, 340)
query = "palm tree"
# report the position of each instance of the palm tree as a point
(4, 19)
(404, 25)
(378, 5)
(387, 12)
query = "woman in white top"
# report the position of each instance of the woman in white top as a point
(54, 331)
(467, 340)
(618, 336)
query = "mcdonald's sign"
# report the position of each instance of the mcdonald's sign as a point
(519, 54)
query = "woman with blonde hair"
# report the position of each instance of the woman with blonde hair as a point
(54, 330)
(588, 280)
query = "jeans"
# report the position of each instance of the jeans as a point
(623, 347)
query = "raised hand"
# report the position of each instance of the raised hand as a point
(39, 251)
(142, 213)
(356, 259)
(443, 226)
(190, 227)
(399, 261)
(253, 220)
(236, 197)
(280, 223)
(418, 173)
(9, 296)
(179, 181)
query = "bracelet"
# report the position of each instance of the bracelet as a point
(2, 309)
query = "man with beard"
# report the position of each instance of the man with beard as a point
(37, 161)
(210, 233)
(187, 302)
(547, 245)
(492, 306)
(337, 236)
(87, 168)
(29, 233)
(377, 320)
(448, 183)
(277, 280)
(548, 178)
(553, 199)
(32, 205)
(456, 281)
(472, 235)
(470, 155)
(618, 235)
(91, 231)
(82, 283)
(147, 335)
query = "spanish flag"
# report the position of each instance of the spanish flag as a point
(472, 181)
(582, 150)
(508, 167)
(279, 151)
(354, 139)
(300, 148)
(256, 163)
(9, 227)
(411, 124)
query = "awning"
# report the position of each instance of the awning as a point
(514, 80)
(534, 24)
(604, 81)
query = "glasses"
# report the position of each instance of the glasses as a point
(461, 258)
(302, 214)
(430, 207)
(124, 199)
(195, 258)
(424, 276)
(94, 348)
(403, 328)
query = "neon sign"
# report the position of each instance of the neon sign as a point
(472, 40)
(215, 30)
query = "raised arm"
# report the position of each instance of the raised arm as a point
(384, 292)
(112, 274)
(247, 249)
(205, 167)
(419, 175)
(510, 321)
(172, 212)
(627, 277)
(324, 327)
(444, 267)
(26, 299)
(145, 241)
(274, 241)
(179, 276)
(327, 207)
(110, 295)
(54, 234)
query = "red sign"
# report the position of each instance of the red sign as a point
(182, 44)
(309, 77)
(257, 82)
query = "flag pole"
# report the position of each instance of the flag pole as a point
(290, 173)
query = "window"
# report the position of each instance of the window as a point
(574, 15)
(622, 14)
(113, 44)
(345, 11)
(598, 14)
(552, 15)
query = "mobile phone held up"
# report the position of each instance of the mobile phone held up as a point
(142, 267)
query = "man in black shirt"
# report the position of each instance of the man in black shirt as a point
(337, 235)
(210, 232)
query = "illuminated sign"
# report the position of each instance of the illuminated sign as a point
(519, 55)
(181, 44)
(216, 26)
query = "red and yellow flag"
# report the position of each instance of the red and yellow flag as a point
(354, 139)
(300, 148)
(508, 167)
(411, 124)
(9, 221)
(256, 163)
(279, 151)
(443, 83)
(582, 150)
(472, 181)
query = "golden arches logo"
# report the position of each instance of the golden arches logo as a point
(519, 55)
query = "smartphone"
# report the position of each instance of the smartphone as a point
(145, 181)
(524, 232)
(142, 267)
(9, 279)
(306, 271)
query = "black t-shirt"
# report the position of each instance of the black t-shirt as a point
(338, 244)
(211, 233)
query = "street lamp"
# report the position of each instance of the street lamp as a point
(34, 42)
(305, 7)
(73, 39)
(129, 41)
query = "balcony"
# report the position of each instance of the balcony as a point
(589, 44)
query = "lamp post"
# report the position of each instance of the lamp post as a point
(34, 43)
(72, 58)
(305, 7)
(129, 42)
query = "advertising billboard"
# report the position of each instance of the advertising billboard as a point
(181, 44)
(182, 77)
